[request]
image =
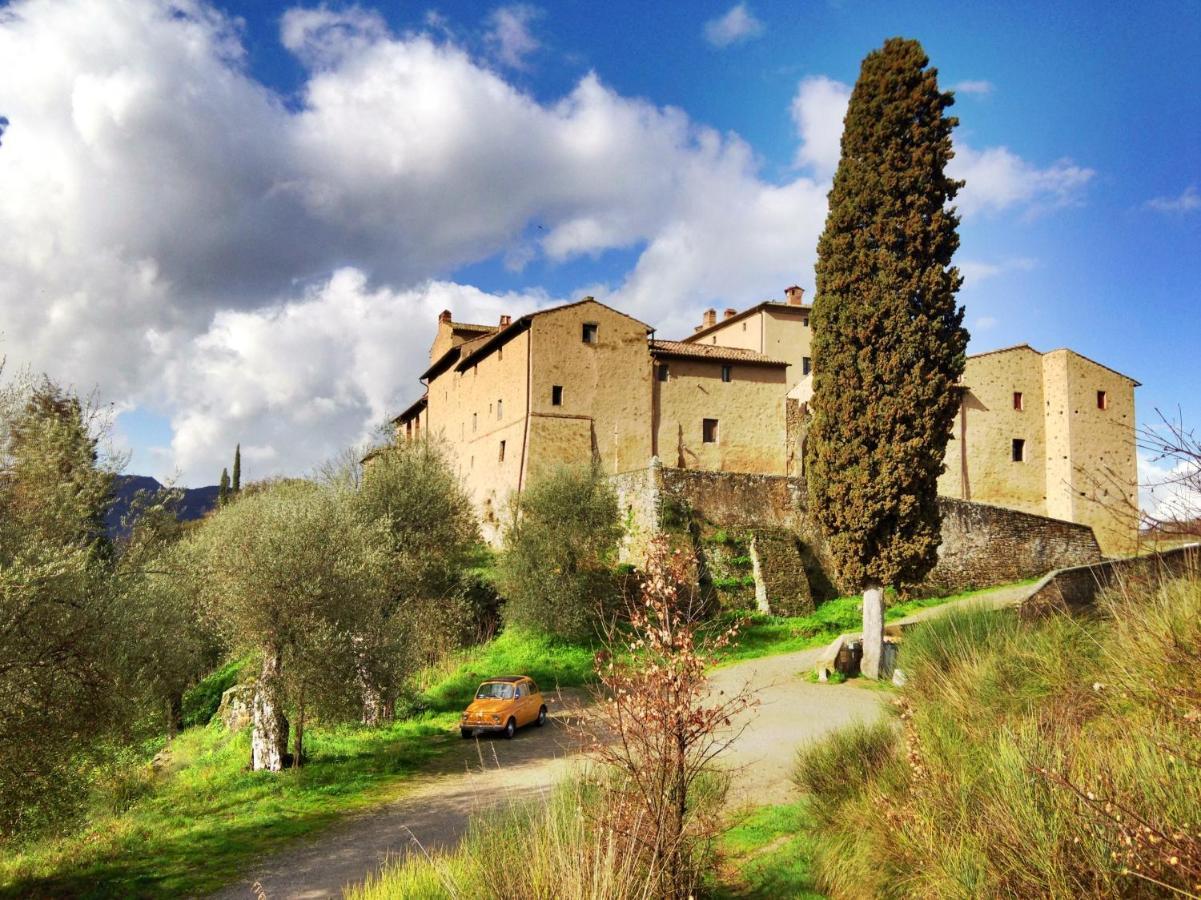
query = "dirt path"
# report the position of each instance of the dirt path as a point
(434, 813)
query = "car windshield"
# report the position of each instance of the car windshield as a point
(494, 690)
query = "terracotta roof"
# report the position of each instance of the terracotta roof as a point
(712, 352)
(415, 407)
(467, 326)
(766, 304)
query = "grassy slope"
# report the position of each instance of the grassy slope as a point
(766, 855)
(769, 635)
(195, 826)
(1034, 757)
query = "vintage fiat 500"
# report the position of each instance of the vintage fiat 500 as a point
(503, 705)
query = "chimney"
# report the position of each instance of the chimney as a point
(794, 295)
(444, 316)
(731, 313)
(505, 321)
(710, 318)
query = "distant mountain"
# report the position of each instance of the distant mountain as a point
(194, 504)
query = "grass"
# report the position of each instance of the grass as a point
(1055, 758)
(767, 854)
(195, 826)
(769, 635)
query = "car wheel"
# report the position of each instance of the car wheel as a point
(465, 732)
(542, 717)
(510, 728)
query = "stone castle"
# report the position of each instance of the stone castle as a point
(1050, 434)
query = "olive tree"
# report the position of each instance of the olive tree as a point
(293, 572)
(557, 567)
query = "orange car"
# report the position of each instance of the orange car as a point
(504, 705)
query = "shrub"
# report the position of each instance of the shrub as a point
(556, 571)
(837, 769)
(200, 702)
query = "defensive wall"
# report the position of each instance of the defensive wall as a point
(982, 545)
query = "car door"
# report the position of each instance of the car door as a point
(522, 704)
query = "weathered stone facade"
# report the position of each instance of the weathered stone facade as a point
(982, 544)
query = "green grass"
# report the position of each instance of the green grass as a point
(199, 823)
(769, 635)
(766, 854)
(551, 662)
(195, 826)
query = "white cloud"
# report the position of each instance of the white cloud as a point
(267, 270)
(509, 34)
(737, 25)
(985, 323)
(1169, 490)
(818, 108)
(976, 271)
(1187, 201)
(979, 88)
(998, 179)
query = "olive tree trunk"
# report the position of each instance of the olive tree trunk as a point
(873, 631)
(269, 736)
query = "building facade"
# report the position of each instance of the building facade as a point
(1047, 433)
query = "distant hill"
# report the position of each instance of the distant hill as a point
(195, 503)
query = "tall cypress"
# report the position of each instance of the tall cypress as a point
(223, 488)
(888, 336)
(237, 479)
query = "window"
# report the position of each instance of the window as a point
(590, 332)
(500, 409)
(500, 353)
(1102, 400)
(744, 326)
(556, 395)
(1019, 450)
(804, 321)
(1018, 401)
(714, 340)
(709, 431)
(725, 373)
(661, 371)
(806, 365)
(500, 457)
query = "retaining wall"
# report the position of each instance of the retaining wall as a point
(1076, 588)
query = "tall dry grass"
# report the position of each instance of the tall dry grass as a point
(1060, 758)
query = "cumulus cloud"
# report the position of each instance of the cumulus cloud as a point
(1169, 489)
(979, 88)
(998, 179)
(818, 108)
(737, 25)
(268, 269)
(509, 34)
(1187, 201)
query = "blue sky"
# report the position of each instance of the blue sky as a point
(214, 213)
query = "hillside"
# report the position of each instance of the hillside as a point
(193, 505)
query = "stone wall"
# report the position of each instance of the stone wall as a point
(1077, 588)
(982, 545)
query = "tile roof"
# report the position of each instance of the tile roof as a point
(713, 352)
(750, 310)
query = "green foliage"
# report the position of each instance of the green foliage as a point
(236, 482)
(767, 854)
(197, 824)
(223, 488)
(1068, 745)
(888, 341)
(557, 568)
(201, 701)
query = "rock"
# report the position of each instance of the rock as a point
(234, 711)
(898, 678)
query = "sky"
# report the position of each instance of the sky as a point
(237, 222)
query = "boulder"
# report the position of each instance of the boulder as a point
(234, 711)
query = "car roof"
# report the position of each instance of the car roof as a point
(511, 679)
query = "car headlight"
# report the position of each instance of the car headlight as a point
(496, 719)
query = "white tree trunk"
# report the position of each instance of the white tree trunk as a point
(269, 738)
(873, 631)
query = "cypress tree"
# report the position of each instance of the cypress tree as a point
(223, 488)
(237, 479)
(888, 336)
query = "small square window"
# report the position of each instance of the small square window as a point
(1102, 400)
(709, 431)
(661, 371)
(804, 321)
(1019, 450)
(806, 365)
(501, 456)
(1018, 401)
(556, 395)
(590, 330)
(725, 373)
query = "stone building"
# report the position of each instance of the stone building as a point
(1051, 434)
